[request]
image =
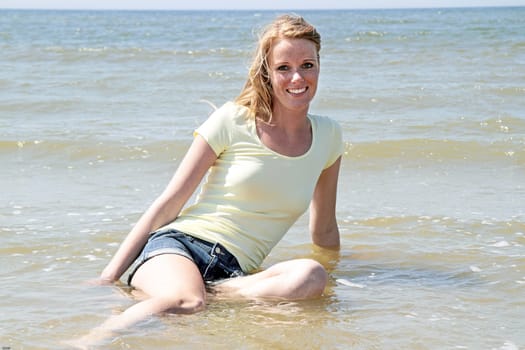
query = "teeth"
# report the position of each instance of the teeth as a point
(297, 91)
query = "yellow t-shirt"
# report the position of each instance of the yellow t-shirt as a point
(252, 195)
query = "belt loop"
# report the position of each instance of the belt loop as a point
(213, 261)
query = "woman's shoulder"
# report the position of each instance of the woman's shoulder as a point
(325, 124)
(329, 137)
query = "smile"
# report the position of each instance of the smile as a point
(297, 91)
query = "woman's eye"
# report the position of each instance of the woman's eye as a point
(282, 68)
(308, 65)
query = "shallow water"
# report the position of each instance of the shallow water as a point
(97, 108)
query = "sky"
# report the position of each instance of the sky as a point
(247, 4)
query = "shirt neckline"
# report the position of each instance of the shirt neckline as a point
(313, 126)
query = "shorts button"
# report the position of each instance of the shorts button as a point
(217, 250)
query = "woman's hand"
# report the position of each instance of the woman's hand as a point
(100, 281)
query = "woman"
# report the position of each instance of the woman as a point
(266, 161)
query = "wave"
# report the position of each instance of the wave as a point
(402, 151)
(118, 54)
(506, 129)
(436, 150)
(513, 227)
(114, 53)
(507, 124)
(99, 151)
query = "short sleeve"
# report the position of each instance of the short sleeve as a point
(216, 129)
(337, 145)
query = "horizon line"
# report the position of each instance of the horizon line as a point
(257, 9)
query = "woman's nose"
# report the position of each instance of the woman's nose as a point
(297, 75)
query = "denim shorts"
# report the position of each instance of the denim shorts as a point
(212, 259)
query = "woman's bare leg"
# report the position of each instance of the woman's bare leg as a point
(172, 284)
(291, 280)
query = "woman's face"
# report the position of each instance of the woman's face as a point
(294, 72)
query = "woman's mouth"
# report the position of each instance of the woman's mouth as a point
(297, 91)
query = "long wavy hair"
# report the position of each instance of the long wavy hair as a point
(257, 92)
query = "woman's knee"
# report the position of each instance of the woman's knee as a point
(179, 305)
(307, 277)
(315, 274)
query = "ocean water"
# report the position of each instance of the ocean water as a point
(97, 109)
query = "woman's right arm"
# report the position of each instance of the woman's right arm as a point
(199, 158)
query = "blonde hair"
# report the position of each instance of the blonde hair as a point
(257, 92)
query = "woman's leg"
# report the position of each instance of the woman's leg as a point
(291, 280)
(171, 283)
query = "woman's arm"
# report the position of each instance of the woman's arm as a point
(323, 222)
(165, 208)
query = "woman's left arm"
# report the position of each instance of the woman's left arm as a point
(323, 221)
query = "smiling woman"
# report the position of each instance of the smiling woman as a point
(294, 73)
(275, 51)
(97, 108)
(242, 212)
